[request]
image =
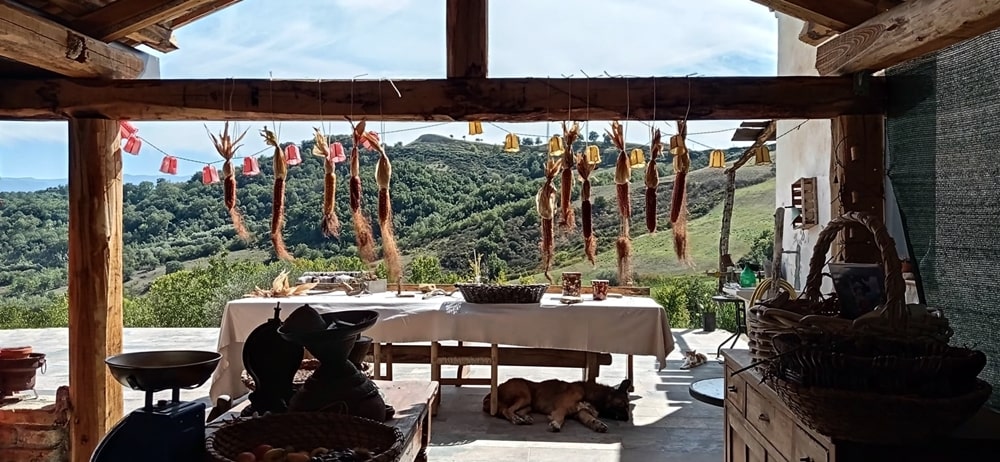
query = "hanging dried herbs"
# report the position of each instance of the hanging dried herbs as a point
(278, 201)
(362, 228)
(567, 220)
(678, 202)
(545, 204)
(227, 147)
(330, 224)
(584, 167)
(623, 173)
(383, 175)
(652, 180)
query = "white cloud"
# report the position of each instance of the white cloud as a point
(339, 39)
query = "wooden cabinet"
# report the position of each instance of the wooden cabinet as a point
(760, 428)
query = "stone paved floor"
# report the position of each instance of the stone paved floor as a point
(667, 424)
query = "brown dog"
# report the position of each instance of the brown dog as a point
(518, 398)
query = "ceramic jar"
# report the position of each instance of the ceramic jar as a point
(600, 288)
(571, 283)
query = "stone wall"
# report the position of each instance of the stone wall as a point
(35, 430)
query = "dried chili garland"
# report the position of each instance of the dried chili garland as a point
(383, 175)
(623, 173)
(652, 180)
(567, 220)
(545, 204)
(678, 203)
(330, 224)
(227, 147)
(362, 228)
(278, 201)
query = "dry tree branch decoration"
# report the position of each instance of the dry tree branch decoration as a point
(585, 168)
(623, 173)
(362, 228)
(652, 180)
(678, 202)
(330, 224)
(567, 220)
(545, 204)
(278, 201)
(226, 146)
(383, 175)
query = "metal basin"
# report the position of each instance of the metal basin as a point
(152, 371)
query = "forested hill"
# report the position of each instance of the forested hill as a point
(449, 197)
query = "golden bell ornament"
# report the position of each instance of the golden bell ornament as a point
(555, 146)
(636, 158)
(475, 127)
(511, 143)
(593, 155)
(717, 159)
(762, 156)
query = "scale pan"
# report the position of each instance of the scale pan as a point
(153, 371)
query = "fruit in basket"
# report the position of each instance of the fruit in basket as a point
(246, 457)
(260, 450)
(300, 456)
(275, 455)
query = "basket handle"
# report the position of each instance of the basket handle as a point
(895, 287)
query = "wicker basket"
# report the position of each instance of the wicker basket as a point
(880, 418)
(493, 293)
(305, 431)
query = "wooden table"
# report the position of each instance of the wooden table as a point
(412, 401)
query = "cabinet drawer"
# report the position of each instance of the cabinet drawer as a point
(773, 424)
(736, 390)
(808, 449)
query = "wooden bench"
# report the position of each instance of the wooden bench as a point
(412, 400)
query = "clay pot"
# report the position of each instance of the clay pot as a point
(15, 352)
(19, 374)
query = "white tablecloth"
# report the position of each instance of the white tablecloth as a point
(628, 325)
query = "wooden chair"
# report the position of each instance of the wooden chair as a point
(437, 361)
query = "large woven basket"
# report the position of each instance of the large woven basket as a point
(305, 431)
(494, 293)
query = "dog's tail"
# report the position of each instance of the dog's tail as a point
(486, 403)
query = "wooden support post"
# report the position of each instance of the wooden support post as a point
(857, 181)
(467, 38)
(95, 280)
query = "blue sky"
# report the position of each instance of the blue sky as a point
(399, 39)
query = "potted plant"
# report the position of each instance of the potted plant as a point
(708, 322)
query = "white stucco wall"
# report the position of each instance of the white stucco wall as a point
(802, 153)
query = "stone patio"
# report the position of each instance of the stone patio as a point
(667, 424)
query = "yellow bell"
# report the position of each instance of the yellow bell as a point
(762, 155)
(555, 146)
(593, 155)
(637, 158)
(475, 127)
(511, 143)
(717, 159)
(677, 147)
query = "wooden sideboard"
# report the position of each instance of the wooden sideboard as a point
(760, 428)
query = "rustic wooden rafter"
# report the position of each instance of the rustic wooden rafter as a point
(47, 45)
(501, 99)
(157, 36)
(120, 18)
(467, 35)
(907, 31)
(838, 15)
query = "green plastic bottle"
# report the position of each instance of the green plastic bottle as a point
(748, 278)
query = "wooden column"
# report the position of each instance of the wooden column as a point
(95, 280)
(857, 181)
(467, 37)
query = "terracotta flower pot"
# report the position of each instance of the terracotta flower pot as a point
(15, 352)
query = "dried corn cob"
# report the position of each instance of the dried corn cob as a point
(567, 220)
(330, 224)
(678, 203)
(362, 228)
(545, 204)
(383, 174)
(227, 147)
(623, 173)
(585, 168)
(652, 181)
(278, 201)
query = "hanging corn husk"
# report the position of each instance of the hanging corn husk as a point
(330, 224)
(717, 159)
(584, 167)
(556, 145)
(390, 252)
(623, 246)
(226, 146)
(362, 228)
(678, 203)
(545, 204)
(652, 180)
(278, 202)
(511, 143)
(567, 220)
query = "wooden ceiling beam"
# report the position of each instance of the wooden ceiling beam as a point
(838, 15)
(507, 99)
(467, 38)
(29, 39)
(910, 30)
(196, 13)
(157, 37)
(118, 19)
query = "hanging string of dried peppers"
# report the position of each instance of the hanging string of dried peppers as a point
(383, 174)
(330, 224)
(623, 173)
(652, 180)
(227, 147)
(678, 203)
(278, 201)
(585, 167)
(567, 220)
(362, 228)
(545, 204)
